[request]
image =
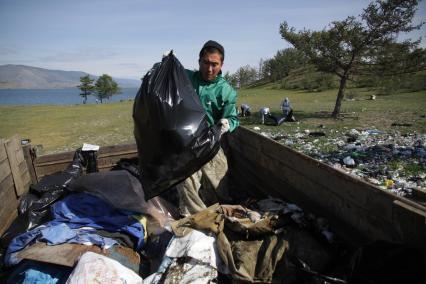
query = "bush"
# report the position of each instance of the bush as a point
(416, 82)
(318, 82)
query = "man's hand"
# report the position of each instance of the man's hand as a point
(224, 126)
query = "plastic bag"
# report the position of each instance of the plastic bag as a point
(26, 202)
(124, 191)
(97, 268)
(60, 179)
(172, 133)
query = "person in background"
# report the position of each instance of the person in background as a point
(285, 107)
(245, 110)
(264, 112)
(218, 99)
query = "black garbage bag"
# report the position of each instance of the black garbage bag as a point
(61, 179)
(271, 119)
(131, 165)
(89, 160)
(26, 202)
(290, 116)
(172, 133)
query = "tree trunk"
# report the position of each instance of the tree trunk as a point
(340, 96)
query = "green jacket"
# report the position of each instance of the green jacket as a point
(218, 98)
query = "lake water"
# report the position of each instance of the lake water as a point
(68, 96)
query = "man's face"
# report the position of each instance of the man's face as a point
(210, 65)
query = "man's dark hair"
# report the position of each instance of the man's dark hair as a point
(212, 47)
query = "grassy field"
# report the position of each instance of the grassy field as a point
(63, 128)
(314, 109)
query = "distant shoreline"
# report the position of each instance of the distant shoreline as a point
(64, 96)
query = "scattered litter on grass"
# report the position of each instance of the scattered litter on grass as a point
(393, 161)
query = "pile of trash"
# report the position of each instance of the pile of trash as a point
(390, 160)
(98, 227)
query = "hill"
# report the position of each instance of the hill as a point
(28, 77)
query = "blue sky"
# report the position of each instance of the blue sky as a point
(124, 38)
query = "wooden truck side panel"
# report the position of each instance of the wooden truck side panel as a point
(360, 210)
(357, 210)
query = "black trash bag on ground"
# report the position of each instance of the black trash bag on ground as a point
(172, 133)
(271, 119)
(290, 117)
(276, 121)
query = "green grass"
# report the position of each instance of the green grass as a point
(65, 128)
(314, 109)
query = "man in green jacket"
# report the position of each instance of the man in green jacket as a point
(219, 101)
(217, 96)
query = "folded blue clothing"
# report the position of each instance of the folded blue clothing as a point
(72, 219)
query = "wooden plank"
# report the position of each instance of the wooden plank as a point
(118, 150)
(29, 155)
(5, 170)
(5, 223)
(68, 254)
(62, 254)
(45, 170)
(16, 157)
(411, 222)
(6, 183)
(14, 164)
(25, 175)
(106, 163)
(19, 154)
(9, 203)
(3, 154)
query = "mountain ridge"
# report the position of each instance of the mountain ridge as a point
(14, 76)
